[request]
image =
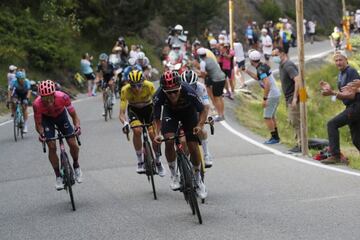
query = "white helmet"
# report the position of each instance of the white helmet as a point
(254, 55)
(213, 41)
(201, 51)
(12, 67)
(178, 28)
(132, 61)
(141, 55)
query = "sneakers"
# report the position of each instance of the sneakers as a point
(295, 149)
(175, 183)
(140, 168)
(160, 169)
(219, 118)
(208, 161)
(103, 114)
(78, 175)
(25, 129)
(59, 185)
(331, 160)
(201, 189)
(272, 141)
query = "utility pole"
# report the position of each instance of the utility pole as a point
(302, 89)
(231, 24)
(346, 26)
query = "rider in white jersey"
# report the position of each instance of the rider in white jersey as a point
(191, 78)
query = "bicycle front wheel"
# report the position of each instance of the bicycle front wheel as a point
(150, 166)
(15, 126)
(68, 177)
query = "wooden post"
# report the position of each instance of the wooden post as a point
(302, 90)
(231, 24)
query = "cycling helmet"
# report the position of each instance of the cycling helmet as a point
(12, 67)
(189, 76)
(132, 61)
(169, 80)
(178, 28)
(103, 57)
(20, 75)
(141, 55)
(46, 88)
(135, 77)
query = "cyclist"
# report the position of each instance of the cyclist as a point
(20, 89)
(192, 79)
(336, 39)
(132, 66)
(180, 103)
(50, 110)
(106, 72)
(11, 74)
(136, 98)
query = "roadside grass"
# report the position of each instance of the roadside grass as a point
(319, 110)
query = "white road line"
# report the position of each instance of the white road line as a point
(279, 153)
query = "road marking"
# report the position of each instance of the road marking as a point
(279, 153)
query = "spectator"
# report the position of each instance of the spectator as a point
(312, 30)
(11, 74)
(267, 45)
(271, 93)
(133, 52)
(226, 62)
(240, 61)
(214, 80)
(124, 48)
(290, 79)
(357, 20)
(88, 72)
(351, 99)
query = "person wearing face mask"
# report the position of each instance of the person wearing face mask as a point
(290, 79)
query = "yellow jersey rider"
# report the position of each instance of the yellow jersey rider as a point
(136, 98)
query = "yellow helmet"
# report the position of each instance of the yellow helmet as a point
(136, 76)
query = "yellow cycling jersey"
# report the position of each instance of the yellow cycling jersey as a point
(137, 99)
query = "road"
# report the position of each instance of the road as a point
(253, 193)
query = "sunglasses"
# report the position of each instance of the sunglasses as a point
(136, 85)
(173, 91)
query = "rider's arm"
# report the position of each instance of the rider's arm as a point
(75, 119)
(29, 91)
(70, 108)
(123, 105)
(38, 119)
(158, 102)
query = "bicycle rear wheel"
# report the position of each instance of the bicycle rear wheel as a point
(105, 110)
(150, 166)
(68, 177)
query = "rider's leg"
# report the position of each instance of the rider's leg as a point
(74, 151)
(54, 160)
(204, 142)
(170, 153)
(138, 143)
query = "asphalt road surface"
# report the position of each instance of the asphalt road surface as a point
(253, 193)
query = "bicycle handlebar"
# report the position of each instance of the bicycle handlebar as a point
(126, 129)
(62, 136)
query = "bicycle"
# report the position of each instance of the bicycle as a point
(66, 170)
(18, 121)
(185, 168)
(108, 96)
(148, 155)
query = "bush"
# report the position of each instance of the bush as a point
(270, 10)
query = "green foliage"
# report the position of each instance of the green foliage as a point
(270, 10)
(192, 15)
(291, 13)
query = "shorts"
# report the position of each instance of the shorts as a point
(208, 82)
(62, 123)
(218, 88)
(188, 118)
(241, 64)
(20, 97)
(90, 76)
(228, 73)
(270, 110)
(138, 116)
(104, 84)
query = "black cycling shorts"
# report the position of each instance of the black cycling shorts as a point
(90, 76)
(62, 123)
(188, 118)
(144, 115)
(218, 88)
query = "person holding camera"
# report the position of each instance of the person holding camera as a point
(88, 72)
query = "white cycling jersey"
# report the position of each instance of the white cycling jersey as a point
(202, 93)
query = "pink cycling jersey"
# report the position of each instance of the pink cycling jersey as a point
(61, 102)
